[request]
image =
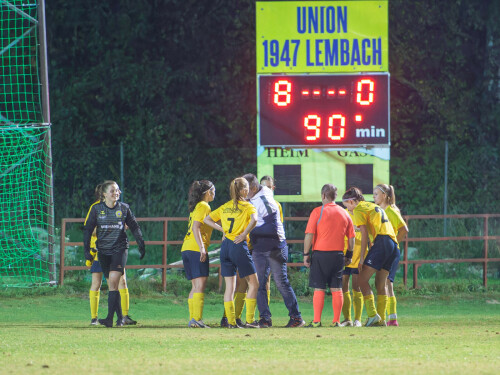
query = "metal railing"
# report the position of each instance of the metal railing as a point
(405, 262)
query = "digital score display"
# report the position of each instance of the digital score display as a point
(324, 110)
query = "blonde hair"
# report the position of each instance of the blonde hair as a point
(390, 196)
(235, 189)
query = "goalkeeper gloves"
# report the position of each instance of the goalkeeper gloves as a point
(90, 257)
(142, 251)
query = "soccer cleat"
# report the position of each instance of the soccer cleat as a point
(346, 323)
(231, 326)
(314, 325)
(202, 324)
(381, 323)
(106, 322)
(94, 322)
(295, 323)
(370, 322)
(357, 323)
(224, 323)
(254, 324)
(265, 323)
(128, 321)
(336, 325)
(393, 323)
(192, 324)
(119, 323)
(239, 323)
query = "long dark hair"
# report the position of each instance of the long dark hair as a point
(197, 191)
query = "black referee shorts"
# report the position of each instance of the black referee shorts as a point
(326, 269)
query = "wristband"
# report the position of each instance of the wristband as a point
(306, 254)
(348, 254)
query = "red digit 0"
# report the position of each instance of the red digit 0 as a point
(370, 90)
(336, 123)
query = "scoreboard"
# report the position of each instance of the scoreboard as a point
(323, 96)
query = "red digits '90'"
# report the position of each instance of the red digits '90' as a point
(282, 90)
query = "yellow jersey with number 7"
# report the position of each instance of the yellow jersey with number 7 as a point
(233, 220)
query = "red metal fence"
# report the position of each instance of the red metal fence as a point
(405, 262)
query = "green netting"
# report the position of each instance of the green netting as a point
(24, 207)
(20, 101)
(26, 258)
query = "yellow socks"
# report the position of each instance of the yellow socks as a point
(346, 307)
(198, 302)
(391, 308)
(251, 304)
(190, 305)
(94, 303)
(358, 304)
(229, 309)
(268, 297)
(381, 305)
(125, 299)
(239, 302)
(370, 305)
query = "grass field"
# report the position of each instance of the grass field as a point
(51, 334)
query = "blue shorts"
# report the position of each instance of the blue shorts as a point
(394, 267)
(235, 257)
(382, 253)
(350, 271)
(95, 267)
(192, 265)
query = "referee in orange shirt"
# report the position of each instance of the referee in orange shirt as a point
(326, 230)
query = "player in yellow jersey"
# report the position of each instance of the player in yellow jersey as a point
(352, 270)
(371, 219)
(384, 196)
(194, 249)
(95, 286)
(238, 217)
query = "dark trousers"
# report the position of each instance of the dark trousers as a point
(271, 256)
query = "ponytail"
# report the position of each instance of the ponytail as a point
(101, 188)
(235, 190)
(390, 196)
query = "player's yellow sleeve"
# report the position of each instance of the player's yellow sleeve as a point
(395, 218)
(199, 213)
(281, 210)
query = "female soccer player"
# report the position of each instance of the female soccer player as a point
(238, 217)
(370, 218)
(384, 196)
(357, 296)
(111, 218)
(96, 272)
(194, 248)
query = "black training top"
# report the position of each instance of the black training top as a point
(110, 223)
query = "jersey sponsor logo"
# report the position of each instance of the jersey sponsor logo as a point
(112, 226)
(231, 210)
(119, 214)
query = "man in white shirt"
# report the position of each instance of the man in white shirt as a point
(270, 253)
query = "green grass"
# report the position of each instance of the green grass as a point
(50, 333)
